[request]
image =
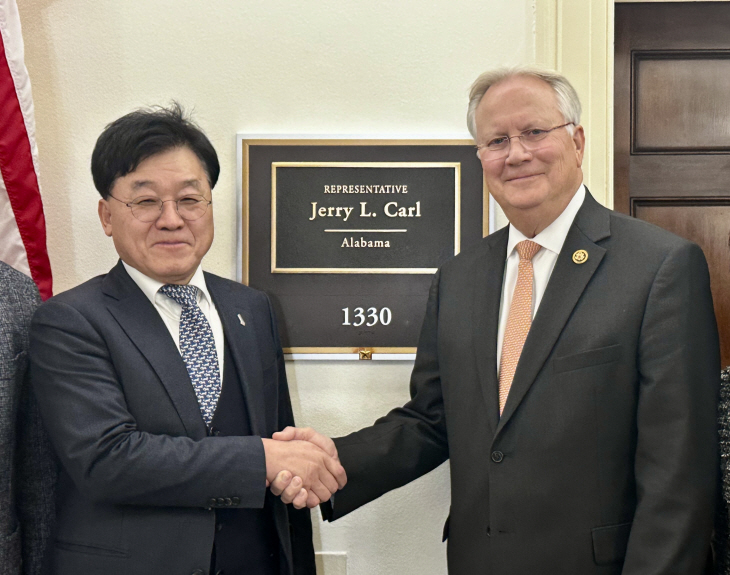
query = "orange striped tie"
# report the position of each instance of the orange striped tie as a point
(519, 319)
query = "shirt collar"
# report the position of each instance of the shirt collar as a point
(552, 237)
(150, 286)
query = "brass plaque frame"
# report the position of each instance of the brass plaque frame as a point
(246, 143)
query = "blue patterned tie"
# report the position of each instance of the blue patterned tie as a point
(197, 347)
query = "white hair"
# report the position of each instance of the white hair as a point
(568, 102)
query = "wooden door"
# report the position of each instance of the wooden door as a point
(672, 129)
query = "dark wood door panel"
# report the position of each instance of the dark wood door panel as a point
(674, 25)
(690, 30)
(681, 101)
(707, 224)
(667, 175)
(672, 128)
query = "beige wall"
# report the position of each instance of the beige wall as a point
(348, 67)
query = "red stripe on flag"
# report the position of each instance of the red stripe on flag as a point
(21, 181)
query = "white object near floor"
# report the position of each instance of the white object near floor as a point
(331, 563)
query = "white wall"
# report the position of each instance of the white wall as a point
(348, 67)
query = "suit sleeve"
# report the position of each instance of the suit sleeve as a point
(409, 441)
(36, 473)
(676, 465)
(35, 465)
(97, 440)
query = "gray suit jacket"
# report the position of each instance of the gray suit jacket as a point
(27, 467)
(605, 459)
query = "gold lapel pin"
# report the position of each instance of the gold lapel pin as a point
(244, 323)
(580, 257)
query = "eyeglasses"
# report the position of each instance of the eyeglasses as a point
(499, 147)
(148, 209)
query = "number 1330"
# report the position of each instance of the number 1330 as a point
(372, 318)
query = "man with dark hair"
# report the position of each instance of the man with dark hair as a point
(143, 133)
(160, 385)
(27, 466)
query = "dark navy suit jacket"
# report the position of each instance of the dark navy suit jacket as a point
(141, 478)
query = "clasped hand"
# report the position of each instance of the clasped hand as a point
(302, 467)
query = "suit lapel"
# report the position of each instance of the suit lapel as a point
(145, 328)
(243, 346)
(566, 285)
(487, 295)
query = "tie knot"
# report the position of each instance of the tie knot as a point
(527, 249)
(186, 296)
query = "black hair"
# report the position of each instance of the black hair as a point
(141, 134)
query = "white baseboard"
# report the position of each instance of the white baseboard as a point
(331, 563)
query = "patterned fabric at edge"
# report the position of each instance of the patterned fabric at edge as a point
(722, 517)
(27, 466)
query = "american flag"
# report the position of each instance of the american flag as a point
(22, 225)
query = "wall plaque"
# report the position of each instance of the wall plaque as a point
(364, 217)
(345, 235)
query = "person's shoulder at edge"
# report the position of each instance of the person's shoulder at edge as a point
(18, 281)
(18, 294)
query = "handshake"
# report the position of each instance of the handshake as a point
(302, 467)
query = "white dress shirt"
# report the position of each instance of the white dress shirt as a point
(170, 311)
(551, 239)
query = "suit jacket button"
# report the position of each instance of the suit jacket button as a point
(221, 501)
(212, 502)
(198, 572)
(489, 531)
(229, 502)
(497, 456)
(236, 501)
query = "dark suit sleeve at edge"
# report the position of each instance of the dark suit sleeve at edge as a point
(677, 446)
(97, 440)
(409, 441)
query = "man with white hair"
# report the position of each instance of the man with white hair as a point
(567, 367)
